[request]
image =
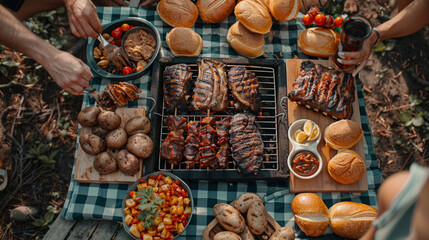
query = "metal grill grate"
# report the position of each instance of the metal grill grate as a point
(266, 121)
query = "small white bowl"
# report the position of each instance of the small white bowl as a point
(298, 147)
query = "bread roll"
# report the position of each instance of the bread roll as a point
(184, 42)
(284, 10)
(284, 233)
(214, 11)
(226, 235)
(245, 42)
(350, 219)
(346, 167)
(319, 42)
(254, 16)
(257, 217)
(178, 13)
(229, 217)
(243, 202)
(311, 214)
(343, 134)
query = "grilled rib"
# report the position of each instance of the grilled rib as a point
(192, 145)
(244, 87)
(207, 138)
(175, 78)
(222, 154)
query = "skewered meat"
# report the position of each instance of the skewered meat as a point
(175, 78)
(192, 145)
(173, 146)
(175, 123)
(324, 89)
(247, 145)
(210, 90)
(207, 138)
(116, 95)
(244, 87)
(222, 127)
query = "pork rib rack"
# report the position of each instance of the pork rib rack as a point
(211, 91)
(173, 146)
(324, 89)
(246, 142)
(175, 78)
(244, 87)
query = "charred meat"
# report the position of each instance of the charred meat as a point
(175, 78)
(116, 95)
(173, 146)
(244, 87)
(324, 89)
(192, 145)
(222, 129)
(246, 142)
(207, 138)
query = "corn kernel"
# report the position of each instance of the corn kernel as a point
(152, 232)
(173, 200)
(147, 237)
(155, 189)
(173, 210)
(180, 200)
(167, 221)
(134, 231)
(158, 221)
(127, 211)
(140, 226)
(162, 195)
(128, 219)
(186, 201)
(188, 210)
(130, 203)
(180, 228)
(161, 227)
(180, 210)
(151, 182)
(168, 180)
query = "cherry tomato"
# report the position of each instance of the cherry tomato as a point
(117, 33)
(329, 22)
(319, 19)
(127, 70)
(307, 19)
(313, 11)
(338, 21)
(125, 27)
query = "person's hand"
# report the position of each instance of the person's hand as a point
(359, 58)
(147, 3)
(69, 72)
(83, 18)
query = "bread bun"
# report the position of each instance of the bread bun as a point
(245, 42)
(284, 10)
(319, 42)
(311, 214)
(350, 219)
(343, 134)
(346, 167)
(214, 11)
(178, 13)
(184, 42)
(254, 16)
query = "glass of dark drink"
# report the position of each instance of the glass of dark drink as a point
(355, 30)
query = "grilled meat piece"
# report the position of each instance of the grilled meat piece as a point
(222, 129)
(324, 89)
(175, 78)
(207, 138)
(192, 145)
(116, 95)
(207, 156)
(208, 120)
(244, 87)
(210, 90)
(175, 123)
(173, 146)
(246, 142)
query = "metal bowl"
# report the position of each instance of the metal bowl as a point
(107, 28)
(146, 177)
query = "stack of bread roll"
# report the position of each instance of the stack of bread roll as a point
(246, 37)
(346, 219)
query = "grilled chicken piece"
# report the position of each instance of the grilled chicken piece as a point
(210, 90)
(244, 87)
(192, 145)
(116, 95)
(246, 142)
(173, 146)
(175, 123)
(175, 78)
(222, 128)
(324, 89)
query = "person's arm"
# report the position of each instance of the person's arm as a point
(69, 72)
(83, 18)
(147, 3)
(411, 19)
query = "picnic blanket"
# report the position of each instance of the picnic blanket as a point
(103, 201)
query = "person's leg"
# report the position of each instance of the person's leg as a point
(31, 7)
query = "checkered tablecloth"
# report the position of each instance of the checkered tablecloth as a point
(103, 201)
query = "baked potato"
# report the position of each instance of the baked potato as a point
(140, 145)
(116, 139)
(92, 144)
(109, 120)
(99, 131)
(138, 124)
(105, 163)
(127, 162)
(88, 116)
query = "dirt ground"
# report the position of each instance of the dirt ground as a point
(388, 81)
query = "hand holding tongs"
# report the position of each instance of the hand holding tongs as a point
(115, 54)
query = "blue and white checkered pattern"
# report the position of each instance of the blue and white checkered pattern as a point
(103, 201)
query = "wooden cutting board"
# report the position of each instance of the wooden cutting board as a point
(85, 171)
(323, 182)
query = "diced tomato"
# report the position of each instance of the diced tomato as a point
(134, 221)
(152, 177)
(184, 216)
(185, 222)
(125, 27)
(169, 226)
(161, 214)
(183, 193)
(159, 176)
(176, 219)
(143, 181)
(131, 193)
(176, 182)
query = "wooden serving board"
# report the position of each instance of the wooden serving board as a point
(323, 182)
(85, 171)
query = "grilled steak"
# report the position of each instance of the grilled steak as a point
(324, 89)
(173, 146)
(246, 142)
(244, 87)
(175, 78)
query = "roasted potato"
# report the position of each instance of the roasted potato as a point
(138, 124)
(109, 120)
(105, 163)
(88, 116)
(92, 144)
(99, 131)
(127, 162)
(116, 138)
(140, 145)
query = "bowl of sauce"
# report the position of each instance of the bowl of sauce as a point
(305, 163)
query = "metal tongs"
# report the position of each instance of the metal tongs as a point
(115, 54)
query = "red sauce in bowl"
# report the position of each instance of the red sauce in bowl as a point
(305, 163)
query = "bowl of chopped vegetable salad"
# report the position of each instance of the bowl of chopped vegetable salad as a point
(158, 206)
